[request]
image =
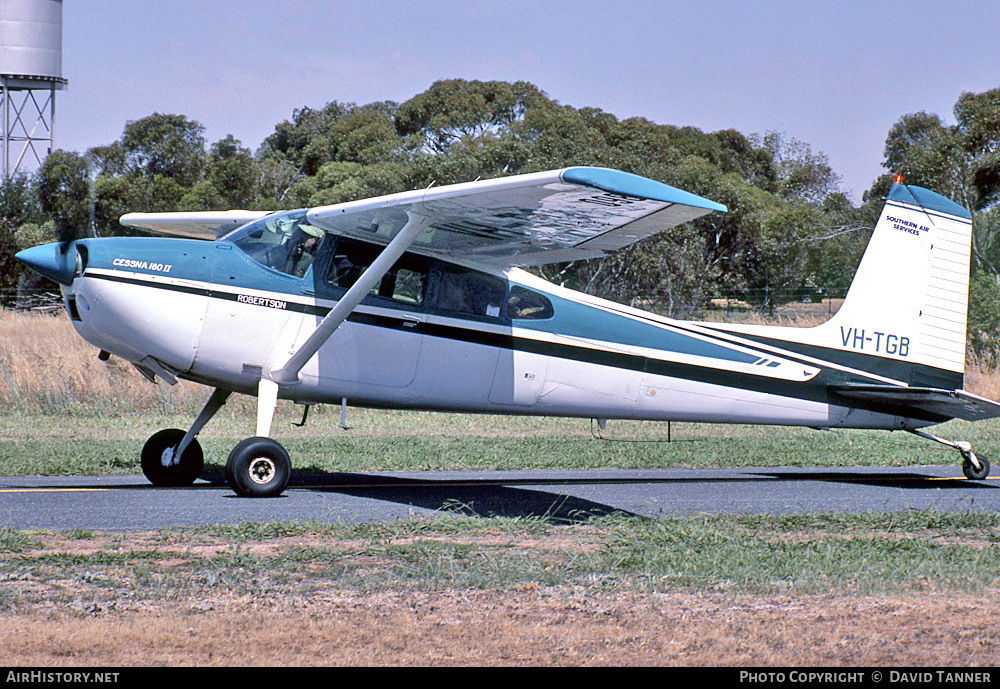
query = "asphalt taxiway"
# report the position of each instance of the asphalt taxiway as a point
(125, 503)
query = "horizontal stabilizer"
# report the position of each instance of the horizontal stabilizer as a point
(951, 404)
(194, 224)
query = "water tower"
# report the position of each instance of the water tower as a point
(30, 75)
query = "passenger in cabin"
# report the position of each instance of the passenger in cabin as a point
(524, 304)
(345, 269)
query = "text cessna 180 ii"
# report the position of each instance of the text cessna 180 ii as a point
(417, 300)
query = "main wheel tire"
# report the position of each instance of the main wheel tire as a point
(970, 470)
(258, 468)
(157, 460)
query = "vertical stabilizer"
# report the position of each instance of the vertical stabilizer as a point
(909, 297)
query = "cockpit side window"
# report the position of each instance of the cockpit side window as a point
(286, 242)
(526, 304)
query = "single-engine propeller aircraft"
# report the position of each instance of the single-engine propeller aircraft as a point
(417, 300)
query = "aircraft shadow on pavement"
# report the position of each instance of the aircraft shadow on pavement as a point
(522, 497)
(468, 497)
(884, 479)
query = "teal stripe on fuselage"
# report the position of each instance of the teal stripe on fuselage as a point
(224, 264)
(187, 259)
(584, 321)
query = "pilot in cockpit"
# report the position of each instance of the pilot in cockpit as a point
(304, 243)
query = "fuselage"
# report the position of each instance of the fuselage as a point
(438, 335)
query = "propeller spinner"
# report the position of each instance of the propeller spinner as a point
(58, 261)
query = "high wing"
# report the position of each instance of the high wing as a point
(546, 217)
(532, 219)
(949, 404)
(193, 225)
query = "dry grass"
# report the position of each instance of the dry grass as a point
(982, 381)
(87, 606)
(527, 627)
(46, 367)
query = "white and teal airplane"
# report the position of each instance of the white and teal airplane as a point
(417, 300)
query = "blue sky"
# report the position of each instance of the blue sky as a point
(835, 75)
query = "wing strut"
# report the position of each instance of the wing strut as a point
(288, 372)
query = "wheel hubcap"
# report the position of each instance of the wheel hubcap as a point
(261, 470)
(168, 459)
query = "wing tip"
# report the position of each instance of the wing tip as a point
(628, 184)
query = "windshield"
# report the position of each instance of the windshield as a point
(282, 241)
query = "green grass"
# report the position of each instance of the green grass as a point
(816, 554)
(872, 553)
(395, 441)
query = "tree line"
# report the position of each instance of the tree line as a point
(789, 226)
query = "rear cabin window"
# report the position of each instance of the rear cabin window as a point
(525, 304)
(471, 293)
(406, 282)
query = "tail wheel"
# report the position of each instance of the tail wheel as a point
(162, 468)
(258, 468)
(970, 469)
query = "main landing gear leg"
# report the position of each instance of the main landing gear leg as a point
(173, 457)
(975, 467)
(259, 467)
